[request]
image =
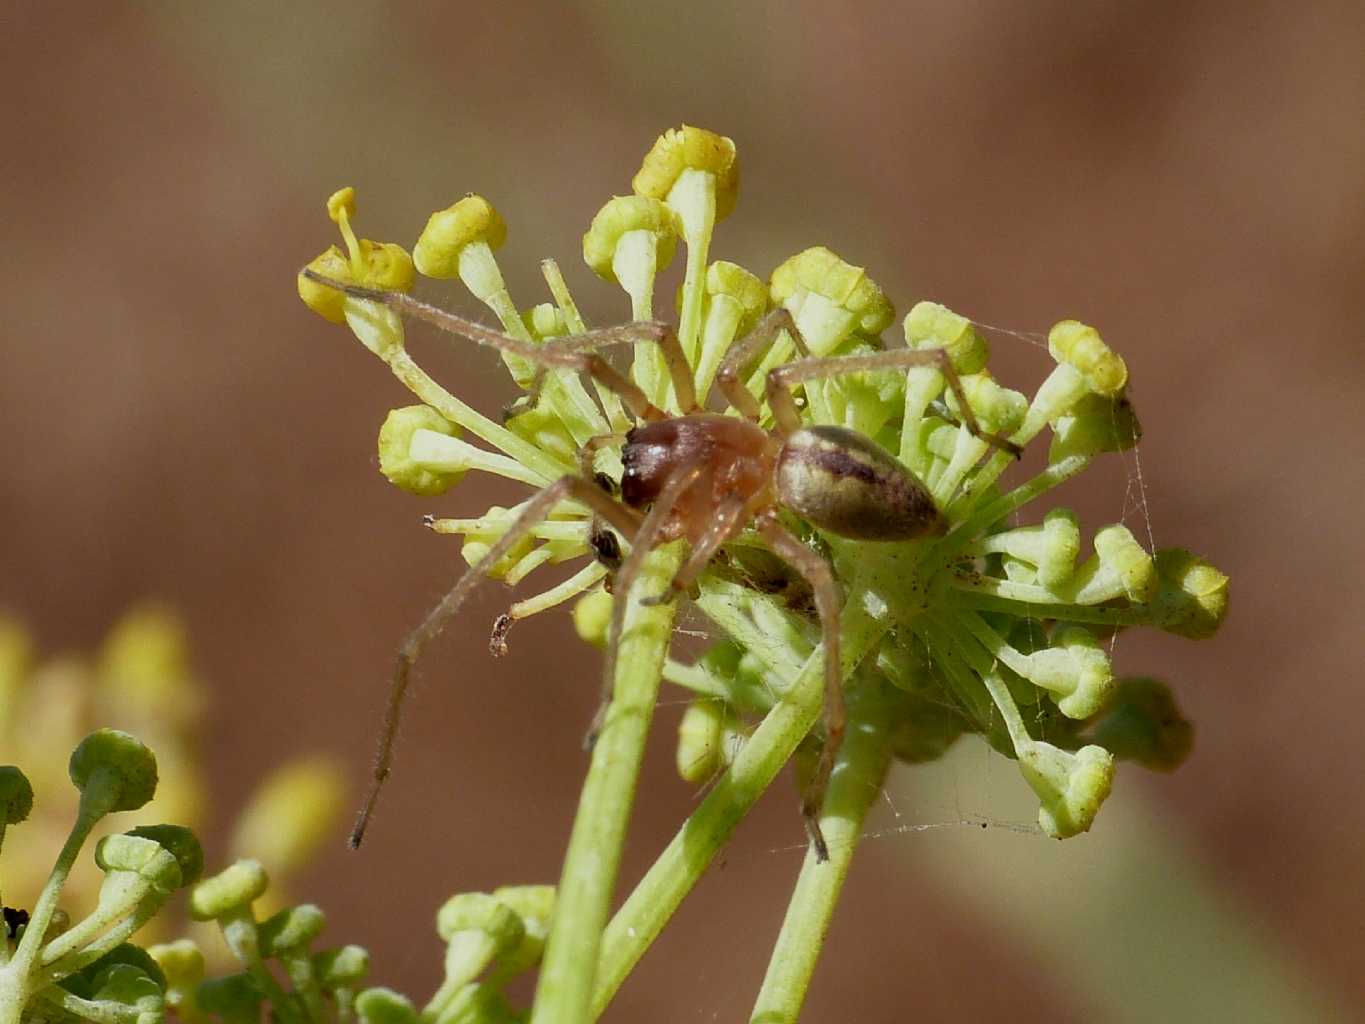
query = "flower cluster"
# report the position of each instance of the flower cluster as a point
(53, 967)
(998, 627)
(141, 681)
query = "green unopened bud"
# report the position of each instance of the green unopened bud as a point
(384, 1006)
(930, 325)
(472, 220)
(1081, 346)
(832, 298)
(998, 409)
(1071, 786)
(1143, 724)
(679, 150)
(341, 968)
(16, 796)
(291, 930)
(181, 843)
(1121, 567)
(1075, 670)
(542, 427)
(235, 998)
(1095, 424)
(1050, 549)
(477, 911)
(535, 906)
(477, 928)
(700, 736)
(395, 444)
(592, 617)
(145, 858)
(621, 217)
(123, 769)
(231, 891)
(735, 299)
(1192, 598)
(747, 291)
(544, 321)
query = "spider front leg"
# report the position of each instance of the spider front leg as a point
(763, 336)
(576, 352)
(783, 378)
(533, 512)
(727, 521)
(820, 576)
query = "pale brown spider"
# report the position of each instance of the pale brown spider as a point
(705, 477)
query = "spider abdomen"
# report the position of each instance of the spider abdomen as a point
(840, 481)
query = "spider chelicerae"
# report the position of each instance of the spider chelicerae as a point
(704, 477)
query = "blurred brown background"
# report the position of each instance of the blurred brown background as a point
(1188, 177)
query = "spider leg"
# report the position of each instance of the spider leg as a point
(821, 578)
(570, 353)
(534, 511)
(782, 378)
(659, 332)
(727, 521)
(765, 333)
(645, 539)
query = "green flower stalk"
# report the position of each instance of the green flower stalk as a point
(995, 624)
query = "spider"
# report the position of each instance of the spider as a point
(704, 477)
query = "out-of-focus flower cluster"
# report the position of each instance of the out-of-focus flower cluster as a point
(58, 965)
(141, 681)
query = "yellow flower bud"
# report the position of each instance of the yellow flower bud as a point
(930, 325)
(326, 302)
(385, 265)
(689, 148)
(448, 231)
(725, 278)
(620, 216)
(395, 444)
(1081, 346)
(341, 204)
(591, 617)
(820, 271)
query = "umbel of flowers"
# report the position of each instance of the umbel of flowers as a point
(999, 627)
(54, 968)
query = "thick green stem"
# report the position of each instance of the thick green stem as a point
(859, 774)
(568, 973)
(682, 863)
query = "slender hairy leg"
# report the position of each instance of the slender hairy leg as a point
(559, 353)
(678, 369)
(821, 578)
(644, 541)
(782, 378)
(745, 351)
(535, 510)
(726, 522)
